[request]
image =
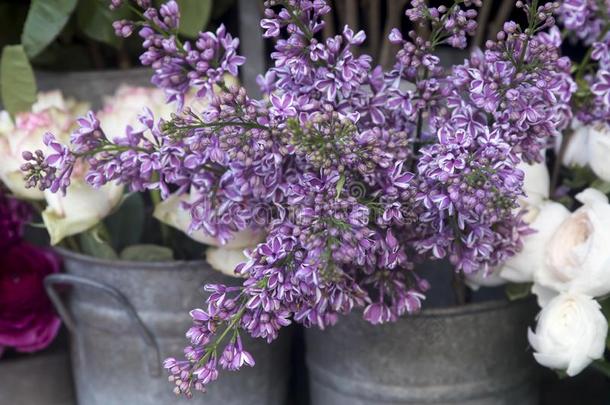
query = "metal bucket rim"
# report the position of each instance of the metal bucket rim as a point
(95, 72)
(134, 265)
(472, 308)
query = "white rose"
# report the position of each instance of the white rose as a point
(225, 259)
(599, 151)
(536, 183)
(80, 209)
(172, 213)
(570, 334)
(577, 150)
(544, 219)
(578, 254)
(51, 113)
(128, 102)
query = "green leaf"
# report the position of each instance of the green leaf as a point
(94, 19)
(602, 186)
(340, 185)
(147, 253)
(17, 80)
(126, 224)
(92, 244)
(194, 16)
(45, 21)
(602, 366)
(579, 177)
(518, 291)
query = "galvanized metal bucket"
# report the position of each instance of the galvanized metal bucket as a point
(126, 317)
(92, 86)
(471, 355)
(38, 378)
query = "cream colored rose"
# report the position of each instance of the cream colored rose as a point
(577, 150)
(172, 213)
(51, 113)
(544, 219)
(80, 209)
(570, 334)
(127, 104)
(226, 260)
(578, 254)
(599, 151)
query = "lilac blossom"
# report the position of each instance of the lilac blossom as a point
(353, 177)
(588, 22)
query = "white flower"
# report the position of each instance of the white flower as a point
(480, 279)
(543, 215)
(51, 113)
(570, 334)
(172, 213)
(544, 219)
(536, 184)
(127, 104)
(577, 150)
(599, 151)
(578, 254)
(225, 259)
(80, 209)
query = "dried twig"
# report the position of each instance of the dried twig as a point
(373, 13)
(329, 25)
(503, 12)
(482, 24)
(395, 12)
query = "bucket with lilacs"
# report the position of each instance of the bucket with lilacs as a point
(356, 175)
(565, 261)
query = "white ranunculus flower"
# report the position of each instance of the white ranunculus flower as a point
(518, 269)
(51, 113)
(225, 259)
(80, 209)
(570, 334)
(479, 279)
(577, 151)
(544, 219)
(599, 151)
(172, 213)
(578, 254)
(536, 184)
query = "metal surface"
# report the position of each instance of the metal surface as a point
(92, 86)
(472, 355)
(109, 364)
(151, 348)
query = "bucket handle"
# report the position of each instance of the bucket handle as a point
(153, 353)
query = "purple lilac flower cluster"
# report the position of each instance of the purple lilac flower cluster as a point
(179, 66)
(588, 21)
(354, 176)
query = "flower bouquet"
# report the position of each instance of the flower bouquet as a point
(565, 261)
(111, 241)
(355, 175)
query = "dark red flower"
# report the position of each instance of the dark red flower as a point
(27, 319)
